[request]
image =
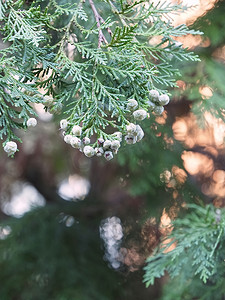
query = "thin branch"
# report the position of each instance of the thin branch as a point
(108, 29)
(98, 18)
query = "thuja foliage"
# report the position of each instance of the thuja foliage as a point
(197, 255)
(102, 65)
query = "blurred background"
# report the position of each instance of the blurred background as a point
(78, 228)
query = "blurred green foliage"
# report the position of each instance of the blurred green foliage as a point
(43, 258)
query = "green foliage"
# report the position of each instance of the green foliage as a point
(43, 258)
(198, 238)
(20, 25)
(16, 95)
(90, 65)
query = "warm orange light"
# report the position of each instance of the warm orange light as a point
(216, 186)
(205, 91)
(197, 8)
(219, 53)
(166, 228)
(180, 129)
(181, 84)
(161, 119)
(219, 176)
(165, 223)
(196, 163)
(179, 174)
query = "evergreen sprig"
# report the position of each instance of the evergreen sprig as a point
(90, 65)
(198, 241)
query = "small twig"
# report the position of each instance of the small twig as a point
(98, 18)
(217, 242)
(103, 21)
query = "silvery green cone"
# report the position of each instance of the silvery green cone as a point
(75, 142)
(158, 110)
(108, 155)
(63, 124)
(86, 140)
(140, 114)
(89, 151)
(115, 145)
(131, 128)
(132, 104)
(163, 99)
(10, 148)
(76, 130)
(107, 144)
(154, 94)
(32, 122)
(67, 138)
